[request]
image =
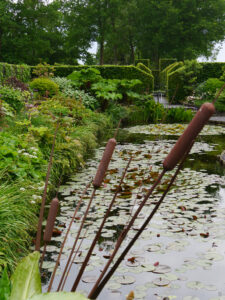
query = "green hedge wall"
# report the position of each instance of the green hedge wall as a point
(113, 72)
(175, 86)
(144, 68)
(22, 72)
(145, 62)
(211, 70)
(165, 73)
(165, 62)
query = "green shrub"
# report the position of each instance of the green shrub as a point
(208, 89)
(210, 70)
(44, 87)
(223, 75)
(178, 114)
(182, 82)
(64, 83)
(22, 72)
(13, 97)
(6, 110)
(114, 72)
(43, 70)
(87, 100)
(116, 112)
(85, 77)
(69, 89)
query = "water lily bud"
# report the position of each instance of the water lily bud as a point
(103, 166)
(51, 219)
(190, 133)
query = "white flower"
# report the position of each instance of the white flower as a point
(36, 197)
(22, 189)
(26, 154)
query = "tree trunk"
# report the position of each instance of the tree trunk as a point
(132, 55)
(101, 52)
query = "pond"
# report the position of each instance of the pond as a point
(181, 254)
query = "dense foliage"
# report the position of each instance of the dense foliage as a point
(27, 130)
(62, 31)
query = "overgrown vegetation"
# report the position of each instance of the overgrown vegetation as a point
(27, 130)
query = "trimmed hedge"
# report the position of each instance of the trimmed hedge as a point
(165, 62)
(210, 70)
(165, 73)
(182, 81)
(22, 72)
(144, 68)
(113, 72)
(145, 62)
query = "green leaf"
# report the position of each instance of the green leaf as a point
(5, 286)
(26, 281)
(59, 296)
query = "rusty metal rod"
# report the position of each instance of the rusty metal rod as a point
(117, 129)
(41, 215)
(42, 256)
(77, 237)
(125, 230)
(97, 236)
(98, 288)
(218, 94)
(66, 236)
(73, 259)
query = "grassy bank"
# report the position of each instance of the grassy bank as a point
(26, 139)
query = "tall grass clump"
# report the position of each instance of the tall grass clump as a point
(18, 208)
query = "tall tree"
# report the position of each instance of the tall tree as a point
(182, 29)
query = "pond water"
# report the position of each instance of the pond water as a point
(181, 254)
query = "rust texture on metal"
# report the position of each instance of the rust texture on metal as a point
(51, 219)
(103, 166)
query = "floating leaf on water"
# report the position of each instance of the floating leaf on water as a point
(148, 267)
(190, 298)
(89, 279)
(162, 269)
(195, 285)
(153, 248)
(132, 264)
(170, 276)
(139, 295)
(161, 281)
(113, 286)
(125, 279)
(214, 256)
(210, 287)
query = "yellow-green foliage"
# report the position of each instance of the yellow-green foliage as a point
(44, 87)
(165, 73)
(144, 68)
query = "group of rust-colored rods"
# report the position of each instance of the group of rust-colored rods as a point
(175, 157)
(99, 285)
(66, 236)
(97, 236)
(125, 231)
(77, 237)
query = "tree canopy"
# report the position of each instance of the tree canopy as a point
(62, 31)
